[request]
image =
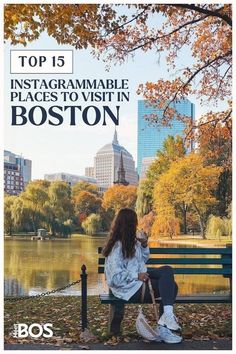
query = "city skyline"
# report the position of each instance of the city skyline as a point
(162, 131)
(71, 149)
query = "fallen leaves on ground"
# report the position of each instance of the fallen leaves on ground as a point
(88, 336)
(199, 321)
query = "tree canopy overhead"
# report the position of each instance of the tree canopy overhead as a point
(116, 32)
(204, 32)
(75, 24)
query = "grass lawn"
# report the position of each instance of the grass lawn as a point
(199, 322)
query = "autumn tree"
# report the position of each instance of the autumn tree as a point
(173, 149)
(190, 184)
(144, 197)
(215, 146)
(58, 209)
(8, 216)
(217, 227)
(166, 222)
(119, 196)
(117, 32)
(42, 204)
(146, 222)
(33, 200)
(21, 214)
(84, 186)
(92, 224)
(204, 31)
(86, 203)
(75, 24)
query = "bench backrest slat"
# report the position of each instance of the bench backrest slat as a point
(153, 250)
(181, 257)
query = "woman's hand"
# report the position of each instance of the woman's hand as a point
(144, 242)
(142, 237)
(143, 276)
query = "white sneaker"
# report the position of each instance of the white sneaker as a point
(158, 338)
(167, 336)
(170, 321)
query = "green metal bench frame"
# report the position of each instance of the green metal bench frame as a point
(224, 260)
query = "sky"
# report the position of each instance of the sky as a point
(70, 149)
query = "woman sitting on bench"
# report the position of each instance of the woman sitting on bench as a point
(125, 271)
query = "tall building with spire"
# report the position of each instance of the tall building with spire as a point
(107, 163)
(121, 173)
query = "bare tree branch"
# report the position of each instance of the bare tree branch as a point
(208, 63)
(192, 77)
(126, 23)
(205, 11)
(168, 34)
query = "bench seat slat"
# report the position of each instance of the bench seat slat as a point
(101, 261)
(110, 299)
(217, 271)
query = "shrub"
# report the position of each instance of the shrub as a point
(217, 227)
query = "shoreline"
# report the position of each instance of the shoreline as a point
(28, 237)
(190, 241)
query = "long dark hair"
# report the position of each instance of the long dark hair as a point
(123, 229)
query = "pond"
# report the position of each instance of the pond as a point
(33, 267)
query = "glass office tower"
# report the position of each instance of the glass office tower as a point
(151, 137)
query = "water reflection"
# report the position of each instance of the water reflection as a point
(32, 267)
(12, 287)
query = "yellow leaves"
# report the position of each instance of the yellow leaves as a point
(119, 196)
(14, 19)
(166, 224)
(75, 24)
(187, 181)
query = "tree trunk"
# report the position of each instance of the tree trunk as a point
(201, 221)
(34, 226)
(185, 217)
(202, 226)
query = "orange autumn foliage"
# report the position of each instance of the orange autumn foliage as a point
(119, 196)
(146, 222)
(202, 32)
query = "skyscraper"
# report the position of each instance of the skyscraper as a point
(107, 163)
(151, 137)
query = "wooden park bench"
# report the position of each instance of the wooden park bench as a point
(216, 261)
